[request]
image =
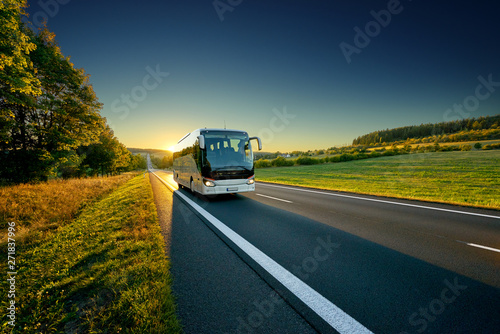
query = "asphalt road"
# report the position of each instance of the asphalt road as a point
(394, 266)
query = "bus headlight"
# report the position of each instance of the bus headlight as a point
(208, 183)
(251, 181)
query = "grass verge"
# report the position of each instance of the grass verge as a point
(465, 178)
(105, 272)
(41, 208)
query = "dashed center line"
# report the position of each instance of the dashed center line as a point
(480, 246)
(294, 188)
(275, 198)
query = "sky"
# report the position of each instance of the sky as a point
(300, 74)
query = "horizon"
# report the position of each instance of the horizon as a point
(300, 75)
(322, 148)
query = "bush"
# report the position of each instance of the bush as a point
(280, 162)
(262, 163)
(335, 158)
(448, 148)
(491, 147)
(359, 156)
(478, 146)
(306, 161)
(466, 147)
(346, 157)
(389, 153)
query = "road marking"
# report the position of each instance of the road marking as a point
(381, 201)
(278, 199)
(480, 246)
(329, 312)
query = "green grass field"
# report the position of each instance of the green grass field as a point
(468, 178)
(460, 143)
(103, 272)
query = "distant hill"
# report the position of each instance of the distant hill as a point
(151, 151)
(481, 128)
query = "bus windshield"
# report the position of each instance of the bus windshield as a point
(228, 150)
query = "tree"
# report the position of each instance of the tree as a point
(40, 132)
(50, 122)
(17, 74)
(107, 156)
(67, 115)
(137, 161)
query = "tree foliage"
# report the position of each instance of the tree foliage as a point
(17, 74)
(50, 122)
(428, 130)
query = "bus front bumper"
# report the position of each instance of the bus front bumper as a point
(228, 187)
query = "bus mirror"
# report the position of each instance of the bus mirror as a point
(201, 140)
(258, 141)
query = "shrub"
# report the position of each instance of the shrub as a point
(262, 163)
(306, 161)
(465, 147)
(478, 146)
(280, 162)
(335, 158)
(491, 146)
(389, 153)
(359, 156)
(447, 148)
(346, 157)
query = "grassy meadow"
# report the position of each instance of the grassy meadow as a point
(95, 263)
(468, 178)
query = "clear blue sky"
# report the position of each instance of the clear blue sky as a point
(298, 73)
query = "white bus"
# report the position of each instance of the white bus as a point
(215, 161)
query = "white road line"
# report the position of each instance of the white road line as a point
(480, 246)
(329, 312)
(380, 201)
(275, 198)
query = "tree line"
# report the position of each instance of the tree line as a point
(50, 122)
(467, 127)
(360, 153)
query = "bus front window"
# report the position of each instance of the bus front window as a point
(228, 151)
